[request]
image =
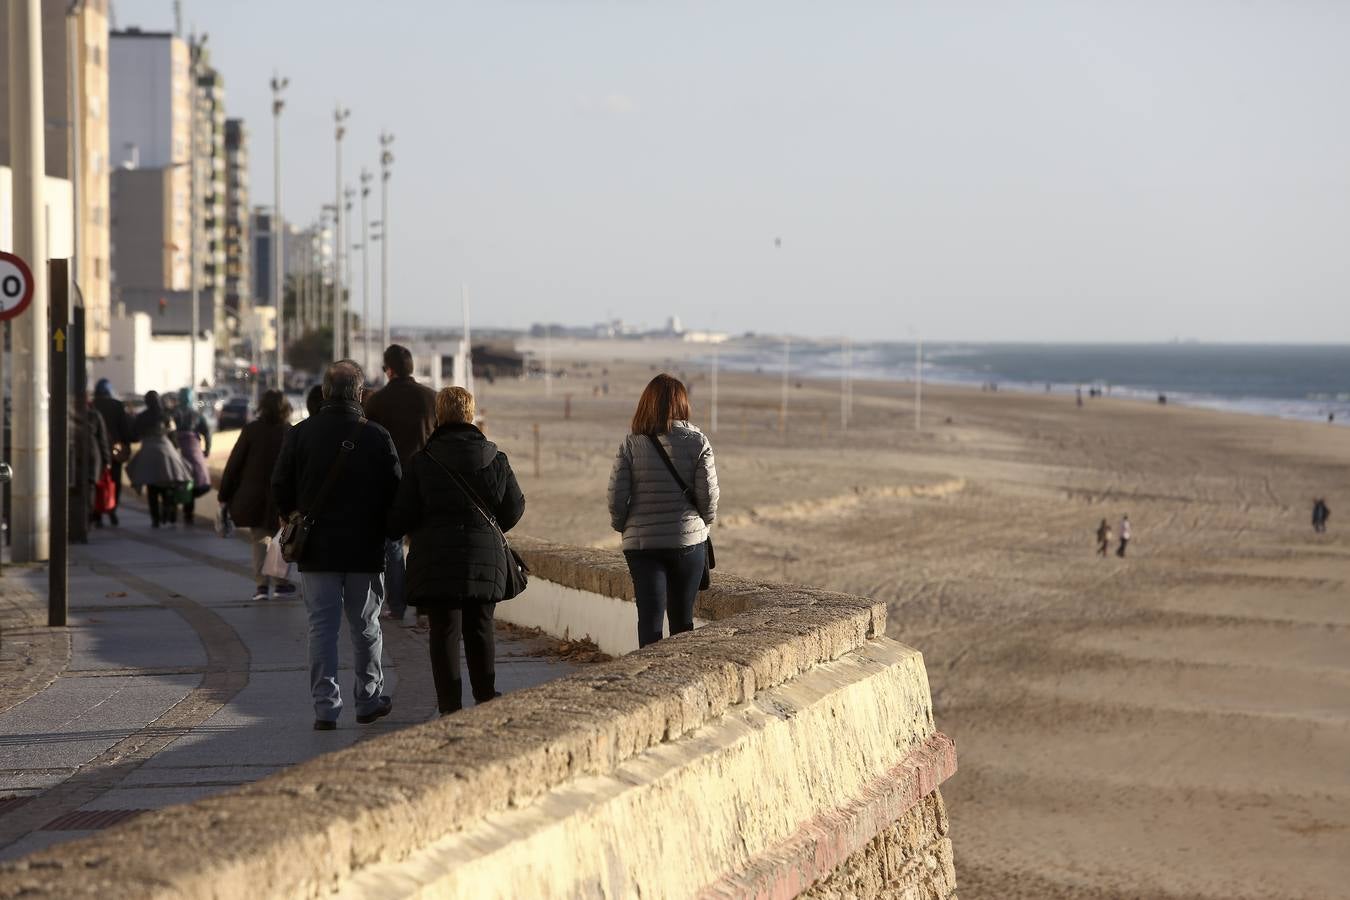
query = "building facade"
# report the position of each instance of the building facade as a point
(75, 89)
(211, 193)
(238, 230)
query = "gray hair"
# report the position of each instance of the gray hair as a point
(344, 380)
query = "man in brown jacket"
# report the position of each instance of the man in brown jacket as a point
(407, 410)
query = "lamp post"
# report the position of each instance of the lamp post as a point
(340, 116)
(366, 178)
(347, 195)
(328, 307)
(278, 85)
(194, 217)
(386, 164)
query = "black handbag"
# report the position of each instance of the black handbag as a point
(709, 558)
(517, 572)
(295, 533)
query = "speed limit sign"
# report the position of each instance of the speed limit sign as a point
(16, 285)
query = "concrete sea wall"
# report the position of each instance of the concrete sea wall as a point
(784, 748)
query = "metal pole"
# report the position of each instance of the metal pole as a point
(386, 165)
(79, 403)
(76, 150)
(58, 488)
(29, 521)
(714, 390)
(918, 382)
(194, 217)
(278, 294)
(548, 360)
(340, 116)
(348, 194)
(365, 270)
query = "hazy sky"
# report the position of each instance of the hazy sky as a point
(979, 171)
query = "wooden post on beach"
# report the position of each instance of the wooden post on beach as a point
(918, 382)
(536, 450)
(783, 407)
(567, 406)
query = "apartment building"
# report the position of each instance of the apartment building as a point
(238, 244)
(75, 89)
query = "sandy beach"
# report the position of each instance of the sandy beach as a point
(1173, 724)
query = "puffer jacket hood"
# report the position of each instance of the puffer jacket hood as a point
(645, 502)
(461, 447)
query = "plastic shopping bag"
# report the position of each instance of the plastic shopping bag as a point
(274, 565)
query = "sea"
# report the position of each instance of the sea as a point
(1309, 382)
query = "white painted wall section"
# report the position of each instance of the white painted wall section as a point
(568, 613)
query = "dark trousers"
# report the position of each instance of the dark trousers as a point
(666, 584)
(162, 507)
(1120, 551)
(474, 622)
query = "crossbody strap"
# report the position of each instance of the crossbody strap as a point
(665, 458)
(470, 494)
(348, 445)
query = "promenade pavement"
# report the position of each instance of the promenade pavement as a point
(171, 683)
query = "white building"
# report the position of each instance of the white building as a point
(141, 361)
(59, 201)
(149, 99)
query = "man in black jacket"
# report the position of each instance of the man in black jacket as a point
(343, 558)
(407, 410)
(121, 435)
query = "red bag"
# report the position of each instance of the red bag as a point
(105, 493)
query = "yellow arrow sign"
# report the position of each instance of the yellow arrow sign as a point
(59, 338)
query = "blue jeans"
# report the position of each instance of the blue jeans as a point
(328, 595)
(666, 584)
(391, 589)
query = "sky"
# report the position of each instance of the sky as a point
(974, 171)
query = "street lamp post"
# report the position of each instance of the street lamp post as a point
(366, 178)
(386, 164)
(278, 85)
(347, 195)
(340, 116)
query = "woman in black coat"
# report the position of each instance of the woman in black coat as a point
(456, 563)
(246, 483)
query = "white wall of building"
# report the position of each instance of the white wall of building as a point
(60, 204)
(141, 87)
(140, 361)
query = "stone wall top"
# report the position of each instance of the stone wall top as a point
(302, 832)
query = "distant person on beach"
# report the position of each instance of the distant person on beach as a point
(1124, 536)
(664, 525)
(1321, 512)
(1079, 396)
(1103, 538)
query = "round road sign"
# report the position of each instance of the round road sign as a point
(16, 285)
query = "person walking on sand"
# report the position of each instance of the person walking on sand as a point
(1321, 512)
(457, 565)
(664, 528)
(340, 472)
(1124, 536)
(1103, 538)
(246, 484)
(407, 410)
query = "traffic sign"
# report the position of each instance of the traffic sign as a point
(16, 285)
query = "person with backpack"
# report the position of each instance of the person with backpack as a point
(334, 481)
(663, 495)
(458, 498)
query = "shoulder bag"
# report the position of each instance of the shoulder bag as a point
(517, 572)
(709, 559)
(295, 533)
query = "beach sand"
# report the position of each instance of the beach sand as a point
(1173, 724)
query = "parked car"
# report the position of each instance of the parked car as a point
(235, 414)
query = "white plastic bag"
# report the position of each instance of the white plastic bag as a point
(273, 564)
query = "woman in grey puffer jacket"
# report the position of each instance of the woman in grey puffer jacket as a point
(664, 529)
